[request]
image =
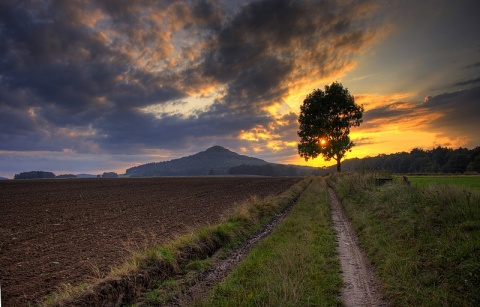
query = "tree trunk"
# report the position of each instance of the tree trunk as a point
(338, 158)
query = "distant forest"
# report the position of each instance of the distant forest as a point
(437, 160)
(50, 175)
(434, 161)
(35, 175)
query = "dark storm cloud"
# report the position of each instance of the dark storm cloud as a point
(210, 14)
(474, 65)
(79, 74)
(171, 131)
(468, 82)
(365, 141)
(387, 112)
(272, 42)
(68, 72)
(404, 113)
(459, 113)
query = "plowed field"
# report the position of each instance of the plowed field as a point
(65, 231)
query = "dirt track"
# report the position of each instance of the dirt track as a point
(208, 279)
(57, 231)
(361, 285)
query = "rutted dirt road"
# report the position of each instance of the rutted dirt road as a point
(361, 285)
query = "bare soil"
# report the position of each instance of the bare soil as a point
(66, 231)
(362, 287)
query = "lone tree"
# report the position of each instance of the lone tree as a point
(325, 121)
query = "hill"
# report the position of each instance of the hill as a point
(218, 161)
(213, 161)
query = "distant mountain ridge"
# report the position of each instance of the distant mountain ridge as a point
(213, 161)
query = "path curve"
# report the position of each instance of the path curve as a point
(361, 287)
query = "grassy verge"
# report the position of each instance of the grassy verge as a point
(296, 265)
(424, 240)
(155, 266)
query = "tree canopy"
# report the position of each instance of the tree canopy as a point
(325, 121)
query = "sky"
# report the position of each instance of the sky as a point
(89, 86)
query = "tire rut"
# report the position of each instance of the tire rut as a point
(361, 287)
(204, 284)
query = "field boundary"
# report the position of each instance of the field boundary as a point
(148, 268)
(216, 274)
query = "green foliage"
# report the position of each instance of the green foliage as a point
(296, 265)
(424, 241)
(325, 121)
(474, 165)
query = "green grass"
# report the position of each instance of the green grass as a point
(296, 265)
(469, 182)
(423, 240)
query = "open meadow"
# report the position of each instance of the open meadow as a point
(471, 181)
(54, 232)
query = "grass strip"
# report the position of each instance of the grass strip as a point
(154, 266)
(423, 240)
(465, 182)
(296, 265)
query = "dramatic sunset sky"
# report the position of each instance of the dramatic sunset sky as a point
(88, 86)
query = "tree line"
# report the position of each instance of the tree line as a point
(436, 160)
(50, 175)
